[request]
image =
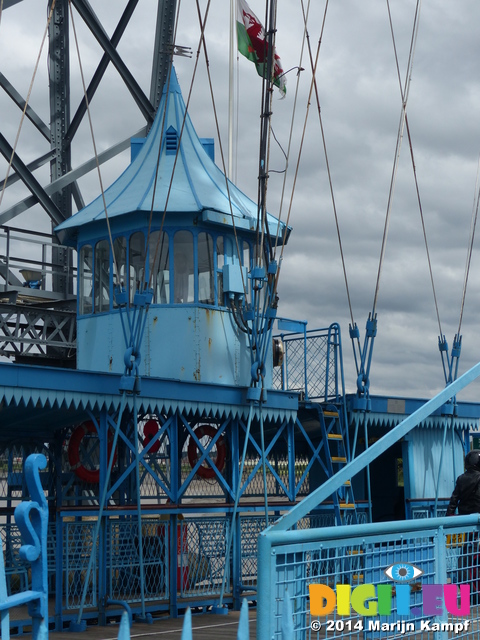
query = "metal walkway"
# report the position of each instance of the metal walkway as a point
(205, 627)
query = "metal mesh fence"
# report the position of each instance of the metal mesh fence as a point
(200, 559)
(201, 547)
(123, 552)
(79, 548)
(250, 527)
(12, 480)
(411, 583)
(310, 364)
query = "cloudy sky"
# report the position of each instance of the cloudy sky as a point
(361, 106)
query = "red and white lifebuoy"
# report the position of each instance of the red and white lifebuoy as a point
(74, 446)
(205, 470)
(150, 430)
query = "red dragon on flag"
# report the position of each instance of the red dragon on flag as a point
(252, 44)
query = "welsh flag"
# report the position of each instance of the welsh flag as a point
(251, 44)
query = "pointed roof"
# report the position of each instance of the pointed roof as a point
(198, 185)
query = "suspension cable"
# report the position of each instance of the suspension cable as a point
(180, 135)
(99, 172)
(27, 98)
(302, 140)
(220, 145)
(312, 87)
(417, 189)
(287, 154)
(329, 174)
(150, 219)
(473, 225)
(397, 153)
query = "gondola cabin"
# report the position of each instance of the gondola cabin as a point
(172, 224)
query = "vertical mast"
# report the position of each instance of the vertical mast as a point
(162, 53)
(59, 77)
(264, 131)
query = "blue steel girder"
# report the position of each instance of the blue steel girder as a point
(268, 464)
(152, 467)
(315, 451)
(166, 428)
(204, 456)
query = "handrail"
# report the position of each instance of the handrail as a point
(366, 457)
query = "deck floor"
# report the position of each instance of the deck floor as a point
(206, 626)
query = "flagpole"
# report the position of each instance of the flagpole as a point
(231, 88)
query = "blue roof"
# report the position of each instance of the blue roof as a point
(198, 185)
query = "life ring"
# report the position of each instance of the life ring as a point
(204, 470)
(81, 471)
(150, 430)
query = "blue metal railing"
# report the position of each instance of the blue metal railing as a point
(444, 549)
(290, 560)
(31, 517)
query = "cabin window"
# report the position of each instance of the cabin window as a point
(158, 266)
(183, 267)
(102, 277)
(86, 280)
(120, 267)
(136, 262)
(220, 263)
(206, 291)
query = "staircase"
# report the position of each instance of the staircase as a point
(327, 422)
(336, 456)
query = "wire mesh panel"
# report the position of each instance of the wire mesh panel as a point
(16, 569)
(12, 479)
(124, 559)
(79, 548)
(419, 583)
(311, 364)
(201, 547)
(277, 473)
(250, 528)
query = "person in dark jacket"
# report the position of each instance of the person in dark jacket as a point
(466, 495)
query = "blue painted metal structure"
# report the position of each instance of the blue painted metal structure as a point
(178, 226)
(289, 561)
(285, 555)
(165, 524)
(174, 328)
(32, 520)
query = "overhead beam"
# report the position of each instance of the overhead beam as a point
(100, 71)
(10, 3)
(91, 20)
(31, 182)
(20, 102)
(69, 177)
(31, 166)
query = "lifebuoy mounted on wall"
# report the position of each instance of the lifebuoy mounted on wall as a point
(75, 446)
(150, 430)
(205, 470)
